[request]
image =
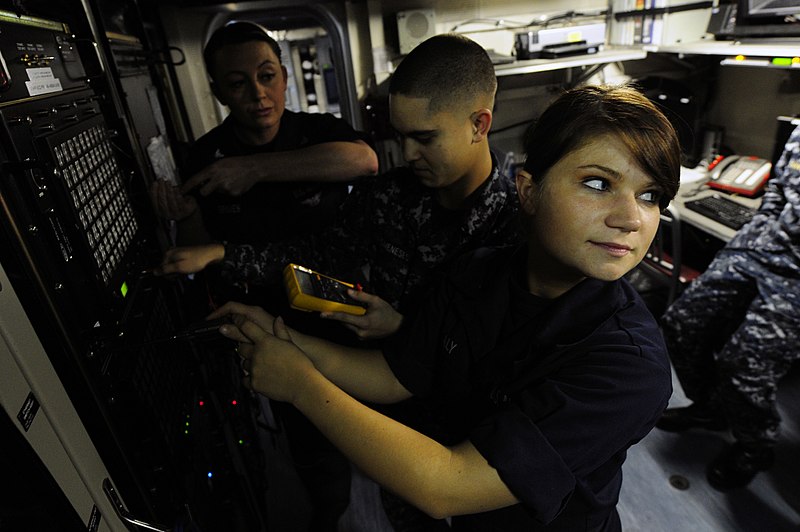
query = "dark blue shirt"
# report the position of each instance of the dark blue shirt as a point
(271, 212)
(551, 393)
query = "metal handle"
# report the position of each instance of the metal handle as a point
(124, 515)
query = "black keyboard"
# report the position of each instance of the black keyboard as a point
(723, 210)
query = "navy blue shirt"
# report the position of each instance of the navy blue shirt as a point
(271, 212)
(551, 392)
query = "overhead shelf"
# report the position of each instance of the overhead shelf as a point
(763, 62)
(605, 56)
(761, 54)
(782, 48)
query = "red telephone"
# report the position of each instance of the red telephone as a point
(744, 175)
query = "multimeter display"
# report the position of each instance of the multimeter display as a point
(322, 287)
(312, 291)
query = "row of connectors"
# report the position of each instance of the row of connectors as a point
(36, 60)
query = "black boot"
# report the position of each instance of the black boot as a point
(736, 466)
(689, 417)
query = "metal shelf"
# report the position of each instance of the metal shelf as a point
(731, 49)
(782, 48)
(607, 55)
(760, 62)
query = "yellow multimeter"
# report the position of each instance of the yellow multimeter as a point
(311, 291)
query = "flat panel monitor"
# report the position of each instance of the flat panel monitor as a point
(767, 18)
(769, 8)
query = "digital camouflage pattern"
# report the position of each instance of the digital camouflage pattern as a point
(733, 333)
(391, 235)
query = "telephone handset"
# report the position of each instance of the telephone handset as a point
(744, 175)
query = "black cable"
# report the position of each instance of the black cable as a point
(501, 23)
(511, 126)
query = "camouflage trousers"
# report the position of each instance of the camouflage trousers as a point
(731, 336)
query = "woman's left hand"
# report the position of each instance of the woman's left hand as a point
(277, 367)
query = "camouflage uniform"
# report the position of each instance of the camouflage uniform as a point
(391, 235)
(733, 333)
(394, 237)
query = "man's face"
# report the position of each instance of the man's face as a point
(250, 80)
(438, 147)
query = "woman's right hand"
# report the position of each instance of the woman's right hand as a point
(190, 259)
(169, 203)
(274, 365)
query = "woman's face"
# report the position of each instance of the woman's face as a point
(594, 214)
(250, 80)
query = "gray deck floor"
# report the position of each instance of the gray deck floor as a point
(648, 503)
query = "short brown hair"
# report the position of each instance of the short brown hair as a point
(236, 32)
(592, 110)
(447, 68)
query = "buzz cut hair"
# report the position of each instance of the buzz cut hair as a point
(449, 69)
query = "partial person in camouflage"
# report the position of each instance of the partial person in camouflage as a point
(733, 333)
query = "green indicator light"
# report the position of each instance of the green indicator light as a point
(123, 289)
(782, 61)
(241, 442)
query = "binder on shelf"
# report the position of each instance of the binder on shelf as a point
(294, 59)
(292, 92)
(658, 22)
(638, 22)
(684, 26)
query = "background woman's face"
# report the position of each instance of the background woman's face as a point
(594, 214)
(250, 80)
